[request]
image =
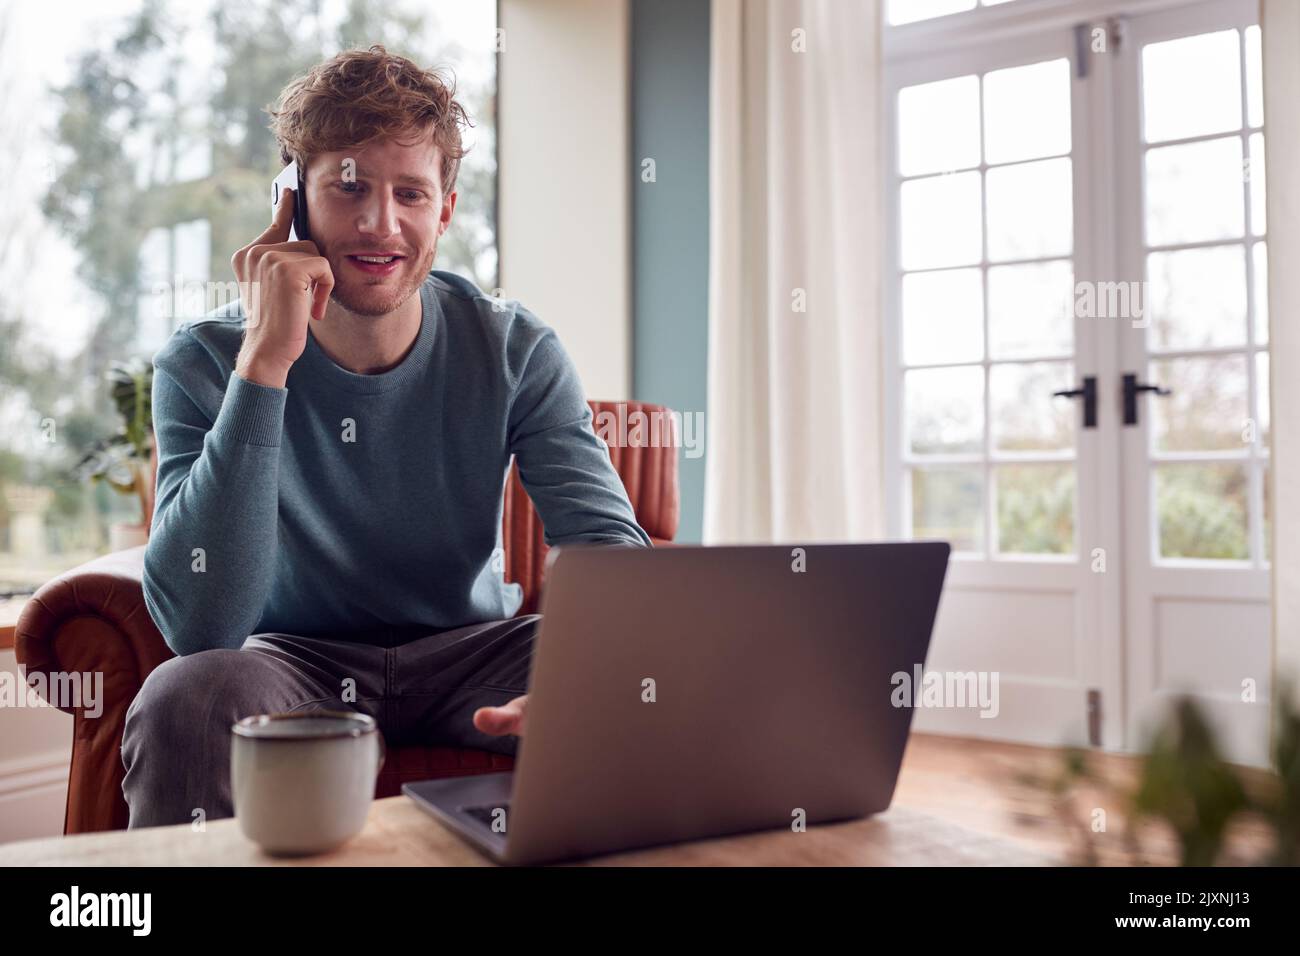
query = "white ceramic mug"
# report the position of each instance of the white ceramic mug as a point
(303, 783)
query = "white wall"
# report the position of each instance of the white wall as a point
(35, 750)
(565, 176)
(1280, 20)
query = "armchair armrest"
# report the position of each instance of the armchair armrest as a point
(93, 619)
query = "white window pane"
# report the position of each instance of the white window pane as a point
(1030, 210)
(1257, 176)
(155, 260)
(1030, 309)
(948, 505)
(943, 317)
(909, 11)
(939, 126)
(154, 324)
(1254, 79)
(1193, 192)
(945, 410)
(1035, 510)
(194, 250)
(1260, 253)
(193, 158)
(1197, 298)
(1027, 112)
(1202, 511)
(1191, 86)
(940, 221)
(1262, 397)
(1023, 412)
(1208, 407)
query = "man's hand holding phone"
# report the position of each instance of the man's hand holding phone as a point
(283, 285)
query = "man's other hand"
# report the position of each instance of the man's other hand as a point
(506, 719)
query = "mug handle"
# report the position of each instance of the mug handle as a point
(383, 752)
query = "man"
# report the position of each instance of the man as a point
(332, 452)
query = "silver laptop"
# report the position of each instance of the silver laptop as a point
(686, 692)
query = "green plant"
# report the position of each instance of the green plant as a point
(1281, 807)
(122, 459)
(1188, 785)
(1184, 784)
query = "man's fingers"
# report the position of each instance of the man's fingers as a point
(506, 719)
(278, 231)
(299, 245)
(490, 720)
(324, 283)
(259, 250)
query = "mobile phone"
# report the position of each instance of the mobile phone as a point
(291, 178)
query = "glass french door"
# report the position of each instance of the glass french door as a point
(989, 234)
(1195, 452)
(1079, 370)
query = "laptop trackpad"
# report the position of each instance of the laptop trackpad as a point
(452, 793)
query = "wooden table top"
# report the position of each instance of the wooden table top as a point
(397, 833)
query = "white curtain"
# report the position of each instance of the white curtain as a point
(794, 449)
(1280, 24)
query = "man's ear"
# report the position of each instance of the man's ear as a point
(448, 207)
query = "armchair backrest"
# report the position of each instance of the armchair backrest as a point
(649, 472)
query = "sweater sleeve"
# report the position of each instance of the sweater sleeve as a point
(212, 545)
(564, 466)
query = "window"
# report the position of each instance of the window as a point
(141, 161)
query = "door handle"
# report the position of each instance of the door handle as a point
(1089, 395)
(1132, 388)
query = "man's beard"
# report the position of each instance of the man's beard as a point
(367, 300)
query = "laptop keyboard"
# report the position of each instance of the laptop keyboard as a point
(487, 814)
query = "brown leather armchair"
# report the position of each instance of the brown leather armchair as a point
(93, 619)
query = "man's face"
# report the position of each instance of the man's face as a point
(381, 202)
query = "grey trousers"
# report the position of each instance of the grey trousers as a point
(176, 743)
